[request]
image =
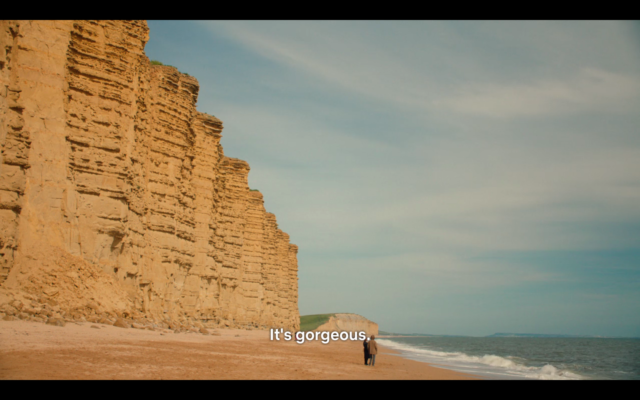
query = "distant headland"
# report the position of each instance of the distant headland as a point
(503, 335)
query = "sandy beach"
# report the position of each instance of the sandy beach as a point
(32, 350)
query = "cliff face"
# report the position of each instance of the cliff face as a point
(349, 323)
(108, 167)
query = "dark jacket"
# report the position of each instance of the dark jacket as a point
(366, 348)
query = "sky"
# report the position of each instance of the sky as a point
(439, 177)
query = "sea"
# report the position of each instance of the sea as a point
(524, 358)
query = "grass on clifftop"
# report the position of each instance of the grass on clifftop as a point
(311, 322)
(156, 62)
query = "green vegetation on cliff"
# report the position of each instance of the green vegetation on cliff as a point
(311, 322)
(156, 62)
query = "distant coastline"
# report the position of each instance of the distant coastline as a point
(552, 335)
(503, 335)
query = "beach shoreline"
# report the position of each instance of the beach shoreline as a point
(33, 350)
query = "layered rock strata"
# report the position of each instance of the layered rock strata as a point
(349, 323)
(105, 158)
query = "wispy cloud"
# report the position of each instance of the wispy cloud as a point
(431, 65)
(396, 151)
(588, 91)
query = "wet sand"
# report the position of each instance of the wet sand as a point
(32, 350)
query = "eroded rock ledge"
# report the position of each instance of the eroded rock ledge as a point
(108, 172)
(350, 323)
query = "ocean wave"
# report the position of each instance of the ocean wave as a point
(509, 366)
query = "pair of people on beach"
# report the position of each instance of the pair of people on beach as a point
(370, 350)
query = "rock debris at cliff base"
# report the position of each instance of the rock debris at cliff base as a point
(116, 198)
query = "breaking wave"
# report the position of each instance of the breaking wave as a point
(509, 367)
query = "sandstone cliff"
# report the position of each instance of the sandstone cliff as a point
(349, 323)
(115, 194)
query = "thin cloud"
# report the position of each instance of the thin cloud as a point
(432, 65)
(396, 151)
(589, 90)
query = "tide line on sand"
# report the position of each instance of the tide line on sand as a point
(32, 350)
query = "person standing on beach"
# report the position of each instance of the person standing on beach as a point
(373, 349)
(367, 356)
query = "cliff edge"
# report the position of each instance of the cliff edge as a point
(349, 323)
(116, 198)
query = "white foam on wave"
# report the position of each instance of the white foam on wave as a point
(487, 363)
